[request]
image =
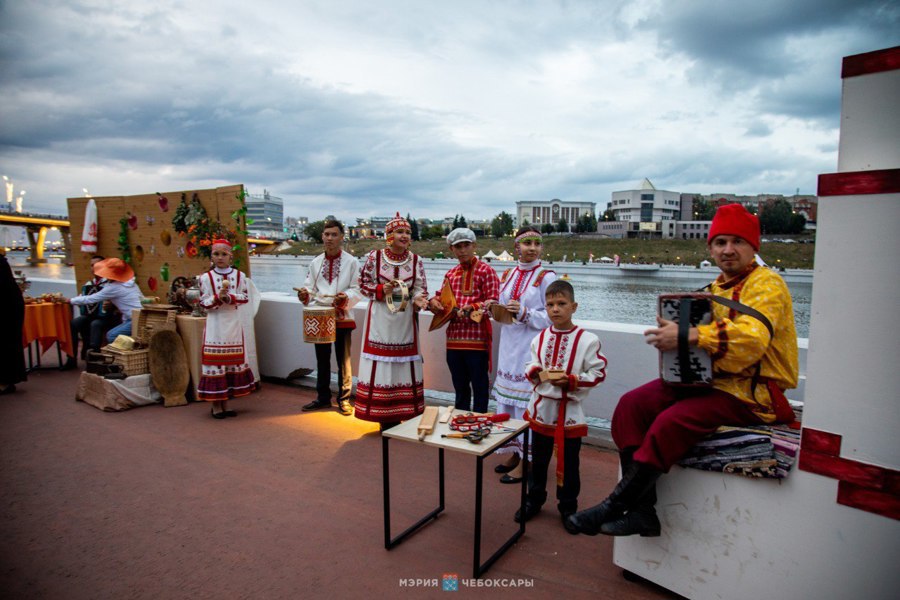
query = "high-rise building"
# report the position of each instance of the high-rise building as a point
(267, 212)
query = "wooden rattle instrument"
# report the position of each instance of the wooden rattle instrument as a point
(428, 421)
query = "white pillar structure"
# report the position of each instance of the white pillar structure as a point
(831, 530)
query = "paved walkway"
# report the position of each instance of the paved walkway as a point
(169, 503)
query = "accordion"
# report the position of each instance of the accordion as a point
(686, 365)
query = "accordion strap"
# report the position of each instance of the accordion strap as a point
(741, 308)
(747, 310)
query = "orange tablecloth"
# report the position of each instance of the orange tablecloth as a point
(48, 323)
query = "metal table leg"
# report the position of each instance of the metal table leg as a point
(385, 460)
(480, 569)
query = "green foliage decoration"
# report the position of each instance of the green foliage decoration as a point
(122, 240)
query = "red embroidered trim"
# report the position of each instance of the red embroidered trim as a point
(396, 257)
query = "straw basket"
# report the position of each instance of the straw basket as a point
(134, 362)
(152, 319)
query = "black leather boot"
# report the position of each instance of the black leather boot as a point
(641, 520)
(590, 519)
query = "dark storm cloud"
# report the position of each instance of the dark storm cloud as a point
(786, 52)
(123, 97)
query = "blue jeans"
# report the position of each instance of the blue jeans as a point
(123, 328)
(469, 372)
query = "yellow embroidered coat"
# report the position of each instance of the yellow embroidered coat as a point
(737, 342)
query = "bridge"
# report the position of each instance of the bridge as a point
(37, 225)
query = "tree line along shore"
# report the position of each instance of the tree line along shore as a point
(798, 254)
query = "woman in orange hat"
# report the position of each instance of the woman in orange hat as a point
(225, 370)
(120, 289)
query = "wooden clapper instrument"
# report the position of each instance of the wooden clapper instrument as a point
(429, 420)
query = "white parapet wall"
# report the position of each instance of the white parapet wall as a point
(282, 351)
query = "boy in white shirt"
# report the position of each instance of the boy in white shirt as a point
(566, 363)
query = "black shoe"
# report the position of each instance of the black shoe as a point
(531, 510)
(70, 363)
(8, 389)
(510, 479)
(641, 521)
(316, 405)
(565, 521)
(217, 415)
(590, 519)
(344, 408)
(229, 413)
(504, 468)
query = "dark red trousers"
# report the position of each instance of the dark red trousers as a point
(663, 422)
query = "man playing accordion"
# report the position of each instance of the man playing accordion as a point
(753, 347)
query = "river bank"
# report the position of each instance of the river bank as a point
(796, 254)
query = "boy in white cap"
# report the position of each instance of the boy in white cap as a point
(475, 286)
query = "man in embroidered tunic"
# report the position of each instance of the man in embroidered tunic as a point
(475, 286)
(656, 424)
(333, 280)
(565, 364)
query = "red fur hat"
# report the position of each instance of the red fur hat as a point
(733, 219)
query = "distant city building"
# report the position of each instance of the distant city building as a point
(267, 212)
(646, 205)
(807, 205)
(651, 213)
(369, 228)
(539, 212)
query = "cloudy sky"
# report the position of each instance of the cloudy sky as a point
(433, 108)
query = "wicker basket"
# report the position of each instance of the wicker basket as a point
(134, 362)
(152, 319)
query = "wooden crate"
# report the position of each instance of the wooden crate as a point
(134, 362)
(152, 319)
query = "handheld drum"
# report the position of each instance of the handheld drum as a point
(319, 325)
(398, 298)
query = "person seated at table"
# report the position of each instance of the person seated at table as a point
(120, 289)
(94, 319)
(565, 364)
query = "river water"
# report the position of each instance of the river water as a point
(600, 298)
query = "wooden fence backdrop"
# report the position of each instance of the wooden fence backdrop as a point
(159, 254)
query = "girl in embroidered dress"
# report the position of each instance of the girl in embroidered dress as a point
(522, 291)
(389, 388)
(225, 371)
